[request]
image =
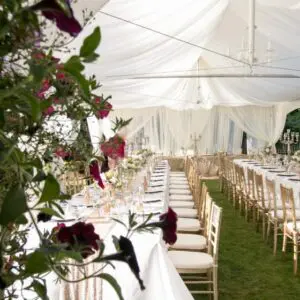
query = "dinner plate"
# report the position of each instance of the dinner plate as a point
(287, 175)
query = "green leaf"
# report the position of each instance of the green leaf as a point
(40, 289)
(21, 220)
(90, 43)
(38, 72)
(36, 263)
(51, 189)
(113, 282)
(50, 211)
(14, 205)
(69, 254)
(74, 65)
(91, 58)
(40, 176)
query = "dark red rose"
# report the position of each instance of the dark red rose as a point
(45, 87)
(49, 111)
(114, 147)
(60, 76)
(169, 226)
(80, 236)
(105, 108)
(95, 173)
(61, 152)
(62, 15)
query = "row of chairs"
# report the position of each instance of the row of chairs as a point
(256, 198)
(195, 253)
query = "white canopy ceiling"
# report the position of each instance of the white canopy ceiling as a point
(134, 44)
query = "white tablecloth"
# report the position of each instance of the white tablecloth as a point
(157, 271)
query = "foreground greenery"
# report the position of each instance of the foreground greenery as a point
(247, 268)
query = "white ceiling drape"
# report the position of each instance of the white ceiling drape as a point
(209, 37)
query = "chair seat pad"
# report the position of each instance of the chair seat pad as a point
(175, 173)
(189, 225)
(179, 186)
(181, 204)
(191, 260)
(280, 214)
(190, 241)
(177, 176)
(186, 212)
(179, 180)
(180, 191)
(181, 197)
(290, 226)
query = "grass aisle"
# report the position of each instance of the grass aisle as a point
(247, 268)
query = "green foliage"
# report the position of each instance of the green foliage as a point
(13, 206)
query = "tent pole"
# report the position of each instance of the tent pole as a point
(251, 31)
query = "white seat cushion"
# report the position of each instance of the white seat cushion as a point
(179, 185)
(183, 204)
(280, 214)
(290, 226)
(190, 241)
(186, 212)
(177, 173)
(177, 181)
(180, 191)
(181, 197)
(189, 225)
(191, 260)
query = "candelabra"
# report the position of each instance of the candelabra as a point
(195, 140)
(289, 138)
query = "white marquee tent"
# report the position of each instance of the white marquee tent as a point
(183, 67)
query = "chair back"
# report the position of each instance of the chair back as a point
(207, 215)
(271, 194)
(288, 204)
(260, 193)
(202, 202)
(250, 185)
(214, 231)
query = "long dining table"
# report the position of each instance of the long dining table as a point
(160, 277)
(276, 173)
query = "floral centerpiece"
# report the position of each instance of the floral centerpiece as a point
(296, 156)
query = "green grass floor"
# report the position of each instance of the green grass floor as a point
(247, 268)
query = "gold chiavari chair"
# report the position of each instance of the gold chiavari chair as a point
(203, 266)
(74, 180)
(192, 241)
(275, 213)
(291, 227)
(222, 178)
(249, 194)
(262, 205)
(193, 224)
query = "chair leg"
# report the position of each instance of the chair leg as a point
(264, 225)
(295, 238)
(268, 229)
(284, 242)
(275, 237)
(215, 283)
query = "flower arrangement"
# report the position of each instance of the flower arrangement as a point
(296, 156)
(43, 102)
(267, 150)
(114, 179)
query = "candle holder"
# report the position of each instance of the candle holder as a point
(289, 138)
(195, 140)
